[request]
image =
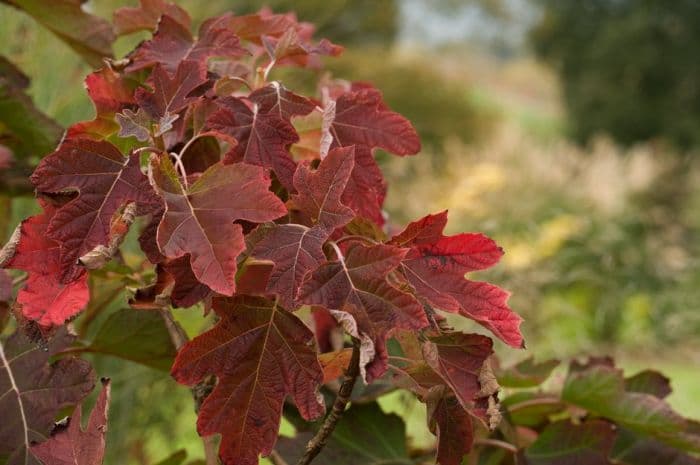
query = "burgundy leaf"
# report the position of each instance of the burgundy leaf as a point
(319, 191)
(260, 354)
(295, 250)
(263, 138)
(458, 358)
(105, 180)
(361, 118)
(110, 93)
(275, 98)
(70, 445)
(356, 292)
(199, 220)
(453, 427)
(36, 391)
(170, 95)
(146, 16)
(173, 43)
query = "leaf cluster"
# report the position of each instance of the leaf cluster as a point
(263, 206)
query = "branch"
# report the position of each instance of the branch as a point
(313, 448)
(201, 390)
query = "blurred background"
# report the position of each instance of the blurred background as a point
(568, 131)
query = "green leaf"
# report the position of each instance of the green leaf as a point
(563, 443)
(23, 128)
(632, 449)
(365, 435)
(526, 373)
(649, 382)
(90, 36)
(600, 389)
(137, 335)
(531, 408)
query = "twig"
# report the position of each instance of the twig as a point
(535, 402)
(496, 443)
(316, 444)
(276, 458)
(200, 391)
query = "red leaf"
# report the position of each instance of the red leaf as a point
(199, 220)
(146, 16)
(254, 27)
(45, 298)
(260, 354)
(458, 359)
(297, 48)
(187, 291)
(36, 391)
(275, 98)
(105, 180)
(170, 95)
(319, 191)
(359, 297)
(173, 43)
(366, 188)
(263, 138)
(295, 250)
(72, 445)
(453, 427)
(362, 118)
(435, 267)
(110, 93)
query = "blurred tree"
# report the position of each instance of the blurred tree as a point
(343, 21)
(628, 67)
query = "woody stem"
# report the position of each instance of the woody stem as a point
(316, 444)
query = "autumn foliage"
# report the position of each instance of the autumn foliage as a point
(246, 214)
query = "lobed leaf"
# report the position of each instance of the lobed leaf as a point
(45, 298)
(73, 445)
(198, 220)
(105, 181)
(356, 292)
(260, 354)
(34, 391)
(564, 443)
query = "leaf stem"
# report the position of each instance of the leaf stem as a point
(316, 444)
(535, 402)
(496, 443)
(276, 458)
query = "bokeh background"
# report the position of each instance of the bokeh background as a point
(566, 130)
